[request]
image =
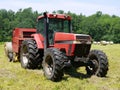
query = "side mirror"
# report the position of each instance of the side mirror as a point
(45, 14)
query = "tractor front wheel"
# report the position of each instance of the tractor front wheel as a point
(53, 63)
(98, 63)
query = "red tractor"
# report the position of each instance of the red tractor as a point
(55, 47)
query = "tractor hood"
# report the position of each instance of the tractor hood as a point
(71, 38)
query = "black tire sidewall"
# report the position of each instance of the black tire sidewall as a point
(57, 71)
(102, 63)
(34, 57)
(46, 55)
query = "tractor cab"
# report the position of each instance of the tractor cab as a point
(56, 30)
(49, 24)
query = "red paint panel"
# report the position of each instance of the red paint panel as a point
(59, 36)
(62, 42)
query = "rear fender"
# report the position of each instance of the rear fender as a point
(39, 40)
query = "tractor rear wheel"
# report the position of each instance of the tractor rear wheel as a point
(53, 63)
(99, 63)
(29, 55)
(8, 51)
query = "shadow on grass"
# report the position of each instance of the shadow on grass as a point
(73, 73)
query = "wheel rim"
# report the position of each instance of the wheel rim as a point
(93, 68)
(49, 65)
(25, 55)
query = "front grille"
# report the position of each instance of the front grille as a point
(83, 37)
(82, 50)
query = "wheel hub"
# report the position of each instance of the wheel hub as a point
(49, 65)
(25, 59)
(93, 66)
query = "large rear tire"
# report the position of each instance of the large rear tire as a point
(8, 51)
(29, 55)
(99, 63)
(52, 64)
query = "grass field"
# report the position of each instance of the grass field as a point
(13, 77)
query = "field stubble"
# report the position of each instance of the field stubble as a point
(13, 77)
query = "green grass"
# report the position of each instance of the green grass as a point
(13, 77)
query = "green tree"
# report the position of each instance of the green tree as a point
(100, 26)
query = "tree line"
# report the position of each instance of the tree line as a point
(100, 26)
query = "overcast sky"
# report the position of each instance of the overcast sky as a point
(86, 7)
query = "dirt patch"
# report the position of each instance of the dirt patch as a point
(6, 73)
(36, 71)
(94, 79)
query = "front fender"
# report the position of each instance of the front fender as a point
(39, 40)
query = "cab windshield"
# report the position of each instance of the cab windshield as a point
(55, 25)
(59, 25)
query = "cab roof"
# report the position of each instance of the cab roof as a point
(59, 16)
